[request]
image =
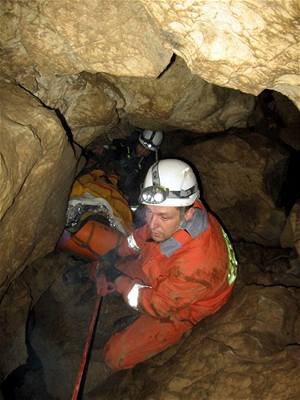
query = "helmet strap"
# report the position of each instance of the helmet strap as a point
(155, 175)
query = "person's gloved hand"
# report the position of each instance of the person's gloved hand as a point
(105, 280)
(111, 273)
(104, 287)
(123, 285)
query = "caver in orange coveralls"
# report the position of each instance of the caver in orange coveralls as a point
(190, 276)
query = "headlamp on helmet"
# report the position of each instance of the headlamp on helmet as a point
(170, 182)
(151, 140)
(154, 195)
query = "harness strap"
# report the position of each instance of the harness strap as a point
(86, 245)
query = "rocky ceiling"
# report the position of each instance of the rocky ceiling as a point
(78, 69)
(246, 45)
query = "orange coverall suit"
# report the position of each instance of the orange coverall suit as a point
(188, 276)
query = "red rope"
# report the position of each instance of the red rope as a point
(86, 348)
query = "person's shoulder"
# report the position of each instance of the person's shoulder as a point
(119, 142)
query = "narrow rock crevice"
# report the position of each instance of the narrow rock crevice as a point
(172, 61)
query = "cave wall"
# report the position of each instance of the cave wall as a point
(36, 171)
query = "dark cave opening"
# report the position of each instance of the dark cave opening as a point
(290, 190)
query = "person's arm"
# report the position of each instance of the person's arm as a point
(174, 292)
(132, 244)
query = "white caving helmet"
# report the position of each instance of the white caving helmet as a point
(151, 140)
(170, 182)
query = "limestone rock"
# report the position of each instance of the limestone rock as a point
(290, 236)
(181, 100)
(245, 46)
(88, 105)
(267, 266)
(95, 36)
(248, 46)
(242, 177)
(36, 170)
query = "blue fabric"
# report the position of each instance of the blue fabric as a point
(169, 246)
(198, 223)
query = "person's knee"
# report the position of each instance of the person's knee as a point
(110, 358)
(115, 359)
(143, 339)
